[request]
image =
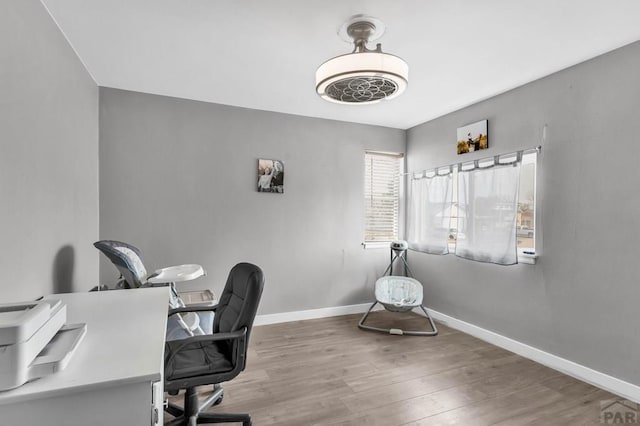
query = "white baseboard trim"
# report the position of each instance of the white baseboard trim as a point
(604, 381)
(334, 311)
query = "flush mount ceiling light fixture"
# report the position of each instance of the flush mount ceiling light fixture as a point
(363, 76)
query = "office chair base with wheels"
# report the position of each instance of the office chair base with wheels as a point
(194, 410)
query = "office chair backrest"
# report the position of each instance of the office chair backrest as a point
(127, 259)
(239, 300)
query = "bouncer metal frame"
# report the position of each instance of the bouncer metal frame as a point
(399, 255)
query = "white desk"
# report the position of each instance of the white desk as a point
(116, 375)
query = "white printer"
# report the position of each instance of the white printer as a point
(34, 341)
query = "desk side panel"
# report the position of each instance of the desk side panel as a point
(126, 405)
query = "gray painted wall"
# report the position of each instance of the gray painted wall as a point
(580, 301)
(48, 158)
(178, 180)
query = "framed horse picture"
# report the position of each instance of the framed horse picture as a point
(473, 137)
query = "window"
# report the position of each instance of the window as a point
(526, 221)
(526, 218)
(487, 210)
(382, 172)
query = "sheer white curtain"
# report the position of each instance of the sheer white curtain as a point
(430, 213)
(487, 213)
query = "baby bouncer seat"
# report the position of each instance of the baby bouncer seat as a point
(399, 294)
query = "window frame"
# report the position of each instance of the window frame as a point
(400, 157)
(526, 254)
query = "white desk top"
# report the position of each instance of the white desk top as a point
(124, 343)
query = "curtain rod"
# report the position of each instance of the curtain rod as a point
(494, 158)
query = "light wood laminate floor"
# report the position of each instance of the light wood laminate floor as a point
(329, 372)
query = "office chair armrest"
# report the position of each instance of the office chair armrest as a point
(239, 335)
(217, 336)
(232, 335)
(192, 308)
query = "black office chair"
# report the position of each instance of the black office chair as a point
(216, 358)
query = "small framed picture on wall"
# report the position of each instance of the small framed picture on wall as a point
(473, 137)
(270, 176)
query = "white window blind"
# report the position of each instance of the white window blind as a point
(382, 195)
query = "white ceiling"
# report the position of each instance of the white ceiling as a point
(263, 54)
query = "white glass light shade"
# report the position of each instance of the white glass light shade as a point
(359, 72)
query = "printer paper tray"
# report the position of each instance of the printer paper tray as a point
(56, 355)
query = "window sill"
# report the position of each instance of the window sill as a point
(376, 245)
(527, 258)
